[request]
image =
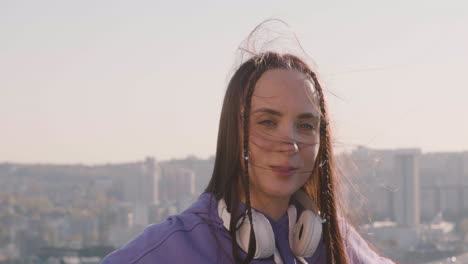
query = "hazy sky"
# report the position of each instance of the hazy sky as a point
(110, 81)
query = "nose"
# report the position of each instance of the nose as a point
(285, 148)
(291, 148)
(290, 144)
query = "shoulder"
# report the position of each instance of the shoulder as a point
(180, 236)
(357, 248)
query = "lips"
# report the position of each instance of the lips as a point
(283, 168)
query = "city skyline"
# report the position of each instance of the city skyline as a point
(195, 157)
(406, 199)
(113, 81)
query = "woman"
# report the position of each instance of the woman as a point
(273, 174)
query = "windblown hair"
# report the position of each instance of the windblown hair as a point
(230, 174)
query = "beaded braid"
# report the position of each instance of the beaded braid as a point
(247, 105)
(327, 198)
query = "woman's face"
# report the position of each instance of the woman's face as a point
(283, 134)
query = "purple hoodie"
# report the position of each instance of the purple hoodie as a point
(198, 236)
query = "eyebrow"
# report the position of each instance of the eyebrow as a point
(277, 113)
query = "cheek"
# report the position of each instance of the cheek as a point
(309, 156)
(259, 161)
(258, 153)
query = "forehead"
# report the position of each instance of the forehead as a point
(286, 91)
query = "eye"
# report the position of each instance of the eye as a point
(267, 122)
(306, 126)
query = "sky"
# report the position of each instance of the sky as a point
(114, 81)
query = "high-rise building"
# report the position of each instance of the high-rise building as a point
(406, 200)
(141, 182)
(141, 188)
(150, 174)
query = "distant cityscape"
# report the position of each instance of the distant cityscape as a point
(412, 206)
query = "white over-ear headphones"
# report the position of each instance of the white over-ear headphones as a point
(304, 235)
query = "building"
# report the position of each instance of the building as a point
(176, 183)
(406, 200)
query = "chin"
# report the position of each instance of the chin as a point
(280, 191)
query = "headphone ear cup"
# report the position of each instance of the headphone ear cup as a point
(292, 216)
(307, 234)
(223, 213)
(264, 235)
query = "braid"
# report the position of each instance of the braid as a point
(331, 233)
(246, 157)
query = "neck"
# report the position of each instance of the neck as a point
(274, 207)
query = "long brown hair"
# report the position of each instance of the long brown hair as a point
(232, 163)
